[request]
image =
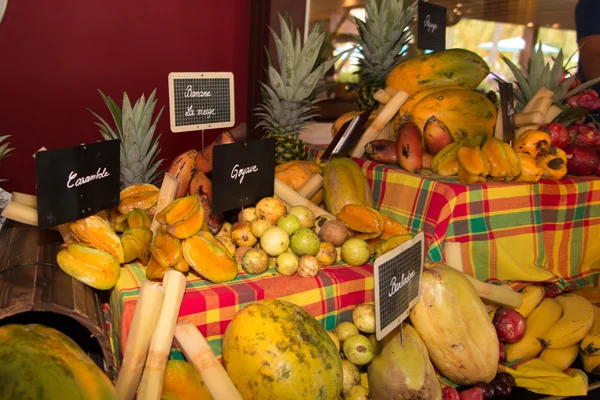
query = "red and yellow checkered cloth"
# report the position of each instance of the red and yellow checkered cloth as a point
(545, 231)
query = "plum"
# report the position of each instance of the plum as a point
(501, 352)
(472, 394)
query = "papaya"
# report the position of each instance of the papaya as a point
(38, 362)
(453, 67)
(535, 143)
(274, 350)
(295, 174)
(183, 382)
(455, 327)
(406, 359)
(530, 169)
(345, 183)
(466, 113)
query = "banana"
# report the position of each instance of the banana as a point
(539, 322)
(576, 322)
(591, 364)
(590, 293)
(182, 168)
(560, 359)
(532, 296)
(591, 342)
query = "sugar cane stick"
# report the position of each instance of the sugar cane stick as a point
(384, 116)
(543, 92)
(311, 186)
(552, 113)
(162, 338)
(543, 105)
(198, 352)
(529, 118)
(290, 196)
(525, 128)
(25, 199)
(65, 231)
(499, 128)
(144, 319)
(20, 213)
(168, 191)
(497, 294)
(382, 96)
(385, 132)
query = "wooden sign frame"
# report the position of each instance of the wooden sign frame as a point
(200, 75)
(402, 285)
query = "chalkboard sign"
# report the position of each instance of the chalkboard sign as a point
(397, 277)
(243, 173)
(75, 182)
(431, 28)
(507, 107)
(200, 101)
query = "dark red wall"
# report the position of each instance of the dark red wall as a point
(54, 55)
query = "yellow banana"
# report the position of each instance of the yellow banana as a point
(539, 322)
(560, 359)
(532, 296)
(576, 322)
(591, 342)
(364, 380)
(590, 293)
(591, 364)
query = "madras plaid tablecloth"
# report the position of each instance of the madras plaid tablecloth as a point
(544, 231)
(329, 297)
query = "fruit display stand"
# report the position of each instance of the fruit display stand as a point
(520, 231)
(33, 289)
(336, 290)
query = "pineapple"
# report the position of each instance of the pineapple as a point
(135, 130)
(383, 40)
(289, 98)
(4, 150)
(540, 74)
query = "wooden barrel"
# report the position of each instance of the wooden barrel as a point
(33, 289)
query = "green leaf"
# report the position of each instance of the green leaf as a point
(127, 113)
(310, 55)
(521, 80)
(278, 47)
(276, 83)
(115, 111)
(582, 87)
(557, 71)
(113, 134)
(129, 136)
(545, 77)
(145, 120)
(570, 115)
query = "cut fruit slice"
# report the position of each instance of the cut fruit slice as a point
(95, 268)
(178, 210)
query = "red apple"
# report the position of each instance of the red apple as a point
(583, 135)
(510, 325)
(472, 394)
(581, 160)
(449, 393)
(558, 132)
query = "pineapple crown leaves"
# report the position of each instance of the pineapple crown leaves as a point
(383, 37)
(4, 149)
(135, 130)
(540, 74)
(300, 67)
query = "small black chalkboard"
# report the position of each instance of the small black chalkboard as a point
(243, 173)
(397, 277)
(203, 100)
(431, 31)
(507, 107)
(75, 182)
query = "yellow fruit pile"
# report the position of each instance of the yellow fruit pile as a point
(559, 329)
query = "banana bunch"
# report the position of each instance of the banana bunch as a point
(559, 329)
(477, 159)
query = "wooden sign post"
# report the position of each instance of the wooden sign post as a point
(75, 182)
(203, 100)
(397, 277)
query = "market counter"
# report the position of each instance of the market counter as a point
(520, 231)
(334, 291)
